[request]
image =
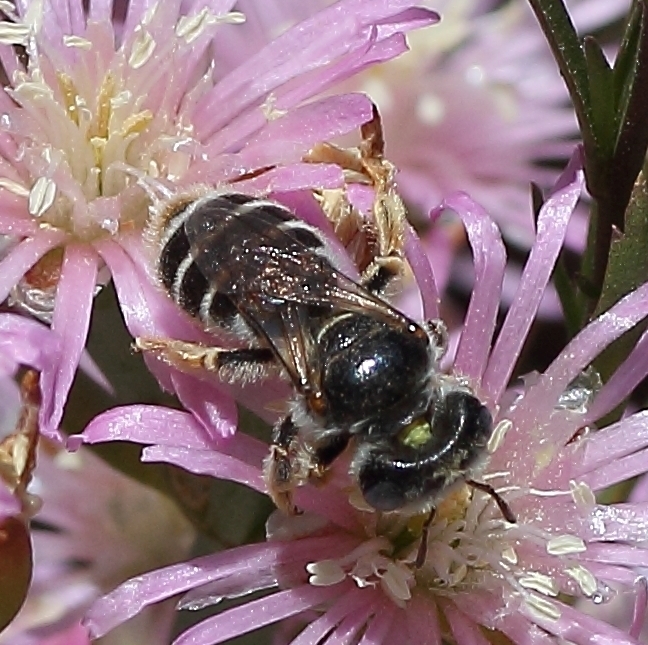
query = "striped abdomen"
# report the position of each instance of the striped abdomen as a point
(219, 249)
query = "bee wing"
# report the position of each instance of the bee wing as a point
(268, 257)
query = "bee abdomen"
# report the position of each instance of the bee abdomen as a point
(178, 270)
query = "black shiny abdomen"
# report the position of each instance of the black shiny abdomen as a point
(393, 475)
(370, 368)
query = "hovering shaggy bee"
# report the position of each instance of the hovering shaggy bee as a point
(365, 376)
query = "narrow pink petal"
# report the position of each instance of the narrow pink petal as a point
(346, 633)
(624, 522)
(10, 224)
(423, 274)
(70, 321)
(423, 621)
(627, 555)
(147, 424)
(132, 596)
(552, 227)
(207, 462)
(27, 342)
(287, 139)
(622, 383)
(347, 26)
(214, 409)
(380, 624)
(297, 176)
(464, 630)
(255, 614)
(23, 257)
(576, 627)
(615, 441)
(639, 610)
(489, 261)
(585, 347)
(619, 470)
(353, 601)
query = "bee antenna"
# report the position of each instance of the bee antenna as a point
(156, 190)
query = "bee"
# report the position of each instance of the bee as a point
(366, 378)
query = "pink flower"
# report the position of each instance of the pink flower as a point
(91, 105)
(478, 105)
(96, 528)
(481, 575)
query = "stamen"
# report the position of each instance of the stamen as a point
(325, 573)
(143, 49)
(582, 494)
(539, 582)
(499, 434)
(565, 545)
(77, 42)
(14, 33)
(585, 579)
(41, 196)
(541, 607)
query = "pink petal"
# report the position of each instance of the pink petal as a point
(351, 626)
(132, 596)
(576, 627)
(348, 24)
(287, 139)
(552, 227)
(26, 342)
(464, 630)
(639, 612)
(353, 601)
(622, 383)
(582, 350)
(422, 270)
(615, 441)
(380, 624)
(214, 409)
(24, 256)
(71, 321)
(146, 424)
(489, 262)
(209, 462)
(255, 614)
(423, 621)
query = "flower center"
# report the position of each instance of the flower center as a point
(87, 111)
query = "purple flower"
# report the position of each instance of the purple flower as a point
(92, 105)
(482, 576)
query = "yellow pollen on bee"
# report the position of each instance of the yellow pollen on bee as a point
(416, 434)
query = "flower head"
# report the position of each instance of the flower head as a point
(91, 104)
(468, 567)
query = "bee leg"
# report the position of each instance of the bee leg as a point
(421, 555)
(281, 466)
(245, 364)
(504, 508)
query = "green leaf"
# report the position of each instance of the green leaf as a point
(16, 565)
(628, 262)
(565, 45)
(631, 83)
(627, 269)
